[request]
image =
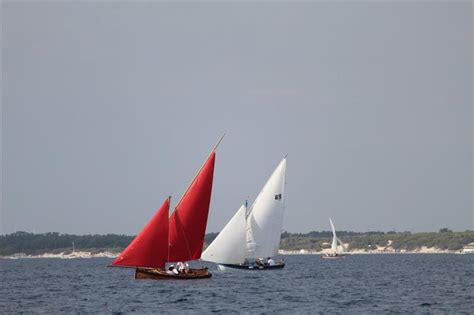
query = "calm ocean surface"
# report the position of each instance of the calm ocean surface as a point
(423, 283)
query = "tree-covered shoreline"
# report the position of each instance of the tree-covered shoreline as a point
(443, 240)
(53, 242)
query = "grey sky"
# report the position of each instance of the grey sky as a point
(109, 108)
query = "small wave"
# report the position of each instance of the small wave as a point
(181, 300)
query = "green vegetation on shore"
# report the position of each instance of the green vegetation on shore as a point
(445, 239)
(34, 244)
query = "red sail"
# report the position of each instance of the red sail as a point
(150, 247)
(188, 221)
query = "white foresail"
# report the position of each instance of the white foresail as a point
(229, 246)
(265, 217)
(334, 237)
(250, 243)
(341, 248)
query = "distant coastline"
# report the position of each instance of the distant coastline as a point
(63, 255)
(421, 250)
(55, 245)
(108, 254)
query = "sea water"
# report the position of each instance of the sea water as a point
(420, 283)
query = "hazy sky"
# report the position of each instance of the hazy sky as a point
(109, 108)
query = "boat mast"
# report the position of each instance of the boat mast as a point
(169, 202)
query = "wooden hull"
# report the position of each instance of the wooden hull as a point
(159, 274)
(253, 267)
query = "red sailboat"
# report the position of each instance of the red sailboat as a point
(178, 238)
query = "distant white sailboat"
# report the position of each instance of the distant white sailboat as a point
(253, 232)
(337, 246)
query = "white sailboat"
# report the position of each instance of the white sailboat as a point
(253, 231)
(337, 246)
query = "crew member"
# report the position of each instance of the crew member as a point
(270, 262)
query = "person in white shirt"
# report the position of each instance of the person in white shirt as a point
(270, 261)
(180, 266)
(172, 270)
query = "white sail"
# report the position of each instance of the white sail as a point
(341, 248)
(229, 246)
(265, 217)
(253, 232)
(334, 237)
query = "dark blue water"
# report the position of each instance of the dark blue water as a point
(360, 283)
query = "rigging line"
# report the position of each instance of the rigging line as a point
(184, 234)
(168, 241)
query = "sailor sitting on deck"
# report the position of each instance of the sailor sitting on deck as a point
(172, 270)
(180, 266)
(270, 262)
(183, 267)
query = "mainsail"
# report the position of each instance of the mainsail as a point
(337, 245)
(266, 216)
(334, 237)
(150, 247)
(189, 219)
(256, 232)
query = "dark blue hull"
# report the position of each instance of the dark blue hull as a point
(253, 267)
